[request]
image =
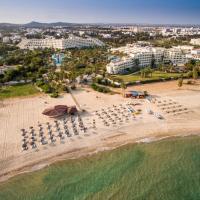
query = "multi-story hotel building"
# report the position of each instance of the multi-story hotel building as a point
(145, 55)
(71, 42)
(175, 56)
(119, 66)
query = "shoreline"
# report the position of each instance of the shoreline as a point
(78, 153)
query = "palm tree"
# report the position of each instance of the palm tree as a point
(123, 87)
(195, 73)
(142, 73)
(104, 73)
(151, 72)
(180, 82)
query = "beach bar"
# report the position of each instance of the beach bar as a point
(135, 94)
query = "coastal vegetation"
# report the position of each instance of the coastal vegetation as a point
(38, 68)
(25, 65)
(86, 61)
(17, 91)
(167, 170)
(146, 76)
(99, 88)
(160, 73)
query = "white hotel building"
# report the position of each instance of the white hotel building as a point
(119, 66)
(144, 55)
(71, 42)
(175, 56)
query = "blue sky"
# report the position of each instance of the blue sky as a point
(92, 11)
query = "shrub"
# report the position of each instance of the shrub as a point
(100, 88)
(106, 82)
(145, 93)
(47, 88)
(65, 89)
(189, 74)
(189, 82)
(180, 82)
(73, 87)
(39, 83)
(54, 95)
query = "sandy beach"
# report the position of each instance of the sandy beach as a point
(16, 114)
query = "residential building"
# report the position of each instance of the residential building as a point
(195, 41)
(107, 36)
(195, 54)
(6, 40)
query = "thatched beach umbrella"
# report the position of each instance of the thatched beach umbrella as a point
(61, 108)
(55, 111)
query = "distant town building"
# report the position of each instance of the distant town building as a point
(6, 40)
(106, 36)
(185, 48)
(81, 33)
(195, 54)
(195, 41)
(179, 31)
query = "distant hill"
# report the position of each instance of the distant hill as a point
(8, 25)
(36, 25)
(46, 25)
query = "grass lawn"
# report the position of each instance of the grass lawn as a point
(18, 91)
(155, 76)
(164, 170)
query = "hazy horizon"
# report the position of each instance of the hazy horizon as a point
(134, 23)
(104, 11)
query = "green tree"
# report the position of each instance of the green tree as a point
(180, 82)
(191, 64)
(195, 73)
(189, 74)
(144, 73)
(123, 87)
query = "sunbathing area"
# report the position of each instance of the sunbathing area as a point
(40, 130)
(52, 132)
(115, 115)
(168, 106)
